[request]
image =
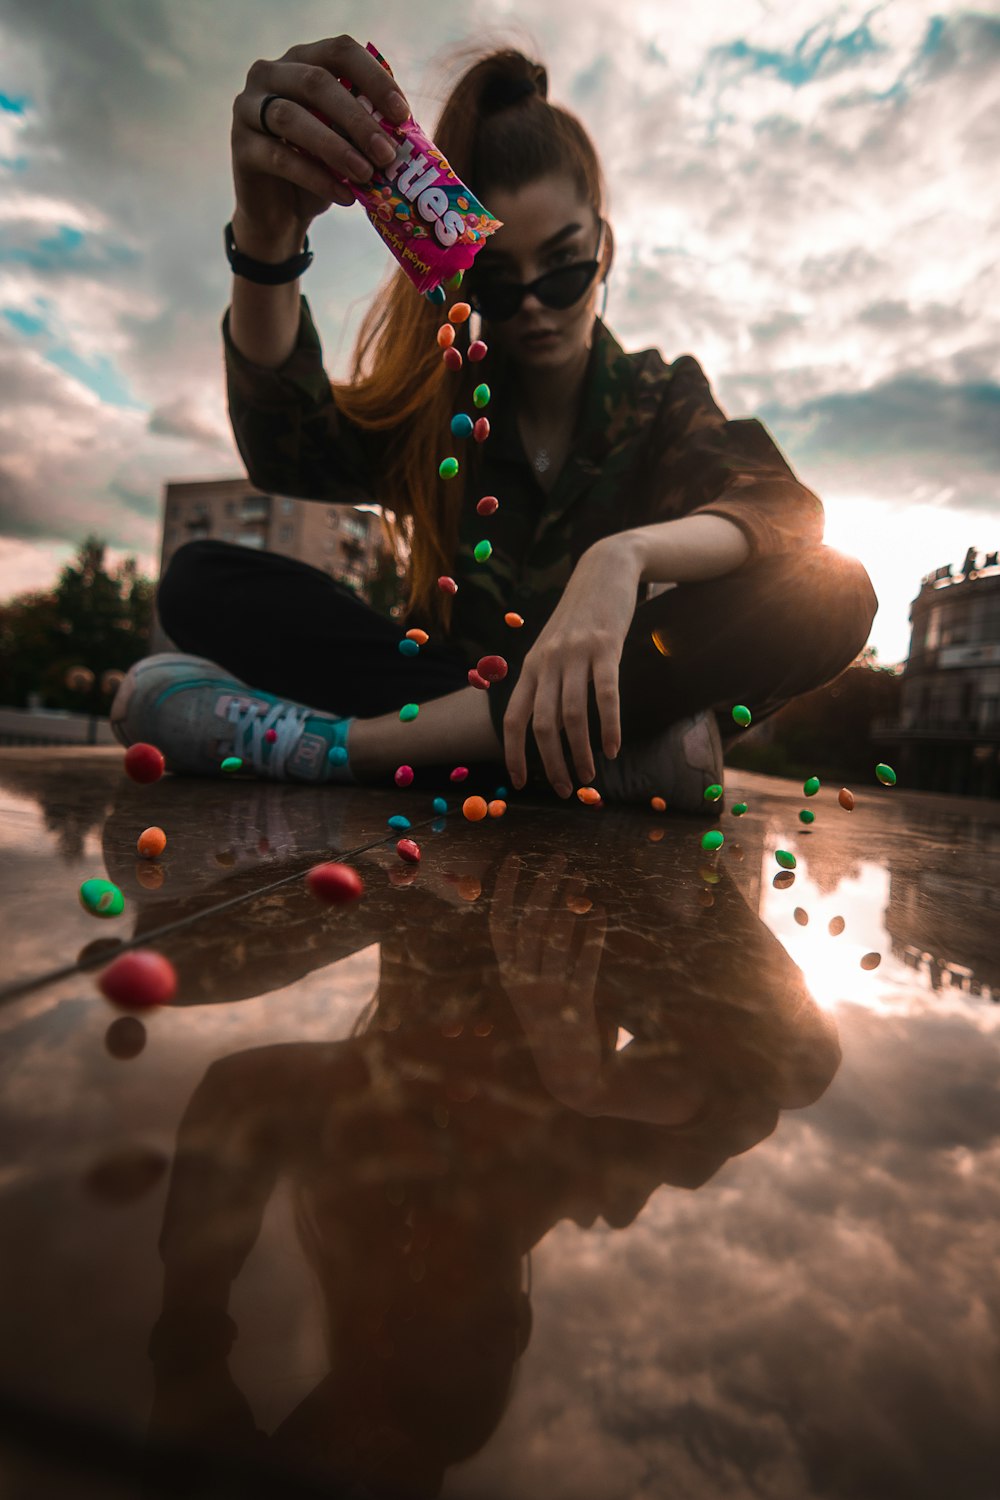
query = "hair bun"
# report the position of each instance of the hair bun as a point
(505, 90)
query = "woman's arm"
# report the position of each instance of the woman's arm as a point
(682, 551)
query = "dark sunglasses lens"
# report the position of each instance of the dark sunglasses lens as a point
(563, 288)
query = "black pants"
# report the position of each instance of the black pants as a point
(760, 636)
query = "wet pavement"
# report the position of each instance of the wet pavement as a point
(574, 1163)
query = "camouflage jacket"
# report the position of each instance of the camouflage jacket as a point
(651, 445)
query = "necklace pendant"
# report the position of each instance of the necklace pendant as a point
(542, 460)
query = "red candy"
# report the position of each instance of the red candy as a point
(270, 735)
(488, 505)
(481, 430)
(452, 359)
(139, 979)
(459, 773)
(335, 883)
(404, 776)
(448, 584)
(477, 351)
(493, 668)
(144, 763)
(408, 850)
(476, 679)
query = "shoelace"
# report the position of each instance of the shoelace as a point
(249, 727)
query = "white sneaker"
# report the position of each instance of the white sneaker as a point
(677, 764)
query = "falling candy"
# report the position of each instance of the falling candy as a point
(335, 884)
(101, 898)
(398, 822)
(801, 916)
(738, 809)
(836, 926)
(139, 979)
(446, 335)
(476, 680)
(589, 795)
(785, 860)
(477, 351)
(513, 620)
(151, 843)
(403, 776)
(439, 805)
(871, 960)
(657, 804)
(475, 809)
(448, 585)
(497, 808)
(713, 792)
(459, 312)
(482, 551)
(144, 763)
(459, 773)
(713, 839)
(481, 396)
(420, 636)
(487, 506)
(408, 850)
(461, 425)
(231, 763)
(481, 431)
(409, 648)
(448, 468)
(811, 787)
(885, 774)
(846, 799)
(741, 715)
(807, 815)
(493, 668)
(452, 359)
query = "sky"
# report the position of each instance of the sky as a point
(803, 197)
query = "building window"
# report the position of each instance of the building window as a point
(230, 507)
(228, 535)
(256, 507)
(252, 539)
(287, 506)
(285, 532)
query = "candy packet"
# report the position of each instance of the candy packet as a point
(428, 218)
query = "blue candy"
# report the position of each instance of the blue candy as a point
(398, 821)
(337, 755)
(501, 793)
(439, 825)
(409, 648)
(461, 425)
(436, 295)
(440, 805)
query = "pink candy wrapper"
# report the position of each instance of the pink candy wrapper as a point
(428, 218)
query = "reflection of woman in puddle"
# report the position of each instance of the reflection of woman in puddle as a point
(483, 1101)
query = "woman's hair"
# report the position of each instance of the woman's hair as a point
(494, 139)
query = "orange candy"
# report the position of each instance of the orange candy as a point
(589, 794)
(446, 335)
(151, 842)
(459, 313)
(657, 804)
(420, 636)
(514, 621)
(475, 809)
(496, 809)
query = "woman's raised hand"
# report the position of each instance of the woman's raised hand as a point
(281, 186)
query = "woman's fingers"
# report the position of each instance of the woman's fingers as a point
(608, 703)
(546, 725)
(575, 723)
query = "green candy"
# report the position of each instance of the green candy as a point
(738, 809)
(101, 898)
(785, 860)
(741, 715)
(811, 787)
(448, 468)
(713, 792)
(409, 712)
(231, 763)
(805, 816)
(885, 774)
(454, 282)
(481, 396)
(482, 551)
(713, 840)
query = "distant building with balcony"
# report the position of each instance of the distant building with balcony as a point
(947, 738)
(339, 539)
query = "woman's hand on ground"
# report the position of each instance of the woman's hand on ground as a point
(581, 642)
(282, 185)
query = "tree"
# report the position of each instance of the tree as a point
(92, 618)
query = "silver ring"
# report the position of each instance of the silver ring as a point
(263, 111)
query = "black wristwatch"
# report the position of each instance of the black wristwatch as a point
(259, 270)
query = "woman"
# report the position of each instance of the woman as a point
(614, 472)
